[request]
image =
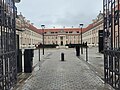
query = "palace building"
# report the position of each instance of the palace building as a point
(62, 36)
(29, 35)
(90, 35)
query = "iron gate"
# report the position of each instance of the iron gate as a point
(111, 14)
(8, 70)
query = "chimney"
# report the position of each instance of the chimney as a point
(20, 13)
(32, 23)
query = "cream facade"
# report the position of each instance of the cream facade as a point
(90, 35)
(73, 35)
(62, 36)
(29, 36)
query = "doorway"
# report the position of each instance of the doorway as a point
(61, 43)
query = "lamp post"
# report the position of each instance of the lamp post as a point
(17, 1)
(43, 27)
(81, 25)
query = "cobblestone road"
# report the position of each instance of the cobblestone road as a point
(72, 74)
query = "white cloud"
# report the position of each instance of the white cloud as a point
(60, 12)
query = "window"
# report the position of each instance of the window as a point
(66, 37)
(77, 31)
(52, 32)
(66, 42)
(61, 38)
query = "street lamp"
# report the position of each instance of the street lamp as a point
(17, 1)
(81, 25)
(43, 27)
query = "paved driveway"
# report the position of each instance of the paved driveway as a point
(71, 74)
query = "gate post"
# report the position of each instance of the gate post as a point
(28, 60)
(19, 61)
(100, 35)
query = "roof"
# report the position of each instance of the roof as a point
(40, 31)
(33, 28)
(64, 29)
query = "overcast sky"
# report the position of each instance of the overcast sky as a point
(59, 13)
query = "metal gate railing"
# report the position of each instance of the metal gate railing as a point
(111, 12)
(8, 68)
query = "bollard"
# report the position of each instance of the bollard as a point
(77, 50)
(86, 52)
(39, 53)
(62, 56)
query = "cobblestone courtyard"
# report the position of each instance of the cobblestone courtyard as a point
(71, 74)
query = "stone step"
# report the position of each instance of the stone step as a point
(62, 47)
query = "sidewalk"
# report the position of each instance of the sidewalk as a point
(72, 74)
(95, 61)
(22, 77)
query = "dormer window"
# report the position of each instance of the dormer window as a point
(77, 31)
(61, 31)
(52, 32)
(70, 32)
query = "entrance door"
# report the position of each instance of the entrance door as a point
(61, 43)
